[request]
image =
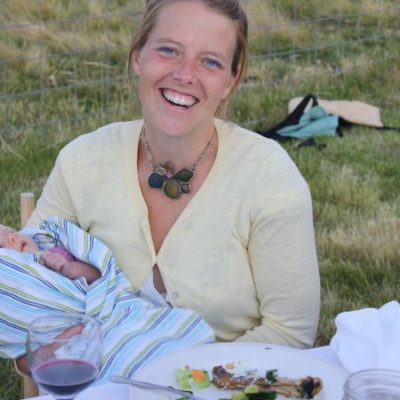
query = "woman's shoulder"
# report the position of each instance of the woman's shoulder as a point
(246, 144)
(106, 141)
(115, 133)
(262, 161)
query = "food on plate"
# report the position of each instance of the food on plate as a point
(186, 377)
(249, 385)
(303, 388)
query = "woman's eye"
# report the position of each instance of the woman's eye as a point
(212, 63)
(166, 50)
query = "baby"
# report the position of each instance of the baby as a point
(56, 257)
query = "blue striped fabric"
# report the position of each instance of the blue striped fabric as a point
(135, 331)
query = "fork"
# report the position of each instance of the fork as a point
(153, 386)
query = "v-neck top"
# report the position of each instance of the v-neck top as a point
(241, 253)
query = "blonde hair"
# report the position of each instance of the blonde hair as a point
(230, 8)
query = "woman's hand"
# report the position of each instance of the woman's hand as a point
(22, 362)
(22, 365)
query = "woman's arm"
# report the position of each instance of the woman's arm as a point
(55, 198)
(283, 259)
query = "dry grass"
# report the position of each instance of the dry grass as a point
(64, 74)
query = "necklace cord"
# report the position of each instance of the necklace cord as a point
(149, 154)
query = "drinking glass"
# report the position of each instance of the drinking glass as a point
(64, 353)
(373, 384)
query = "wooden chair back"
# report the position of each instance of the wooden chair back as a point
(27, 205)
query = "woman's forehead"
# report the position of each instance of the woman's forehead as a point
(194, 19)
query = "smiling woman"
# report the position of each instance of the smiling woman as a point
(184, 73)
(198, 212)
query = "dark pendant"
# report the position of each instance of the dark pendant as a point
(183, 175)
(186, 187)
(156, 181)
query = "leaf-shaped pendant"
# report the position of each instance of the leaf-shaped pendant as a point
(183, 175)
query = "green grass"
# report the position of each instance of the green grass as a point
(355, 184)
(354, 180)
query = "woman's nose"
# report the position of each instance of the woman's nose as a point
(185, 73)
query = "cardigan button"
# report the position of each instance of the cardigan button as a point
(174, 295)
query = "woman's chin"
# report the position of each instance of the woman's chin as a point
(182, 125)
(174, 128)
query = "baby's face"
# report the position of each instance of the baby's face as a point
(9, 239)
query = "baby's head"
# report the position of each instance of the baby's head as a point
(10, 239)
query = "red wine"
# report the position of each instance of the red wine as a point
(64, 378)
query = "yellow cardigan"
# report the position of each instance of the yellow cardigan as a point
(242, 253)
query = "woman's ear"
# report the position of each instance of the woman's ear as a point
(136, 62)
(230, 86)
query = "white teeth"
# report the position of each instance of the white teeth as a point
(179, 99)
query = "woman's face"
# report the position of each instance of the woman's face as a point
(184, 68)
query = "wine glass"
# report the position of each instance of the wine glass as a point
(64, 353)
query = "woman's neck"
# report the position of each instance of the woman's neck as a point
(183, 151)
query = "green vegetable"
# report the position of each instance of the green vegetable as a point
(251, 389)
(272, 395)
(271, 375)
(183, 376)
(239, 396)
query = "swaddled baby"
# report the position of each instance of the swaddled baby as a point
(54, 256)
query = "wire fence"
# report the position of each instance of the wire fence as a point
(63, 63)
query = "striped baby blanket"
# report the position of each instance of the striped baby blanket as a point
(135, 331)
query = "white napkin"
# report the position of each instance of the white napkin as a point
(368, 338)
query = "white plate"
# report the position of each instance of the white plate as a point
(290, 363)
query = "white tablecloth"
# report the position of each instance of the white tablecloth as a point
(121, 392)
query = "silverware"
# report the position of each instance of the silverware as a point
(153, 386)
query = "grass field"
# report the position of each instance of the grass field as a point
(354, 180)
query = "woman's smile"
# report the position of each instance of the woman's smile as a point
(180, 100)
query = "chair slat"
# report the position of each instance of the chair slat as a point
(27, 205)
